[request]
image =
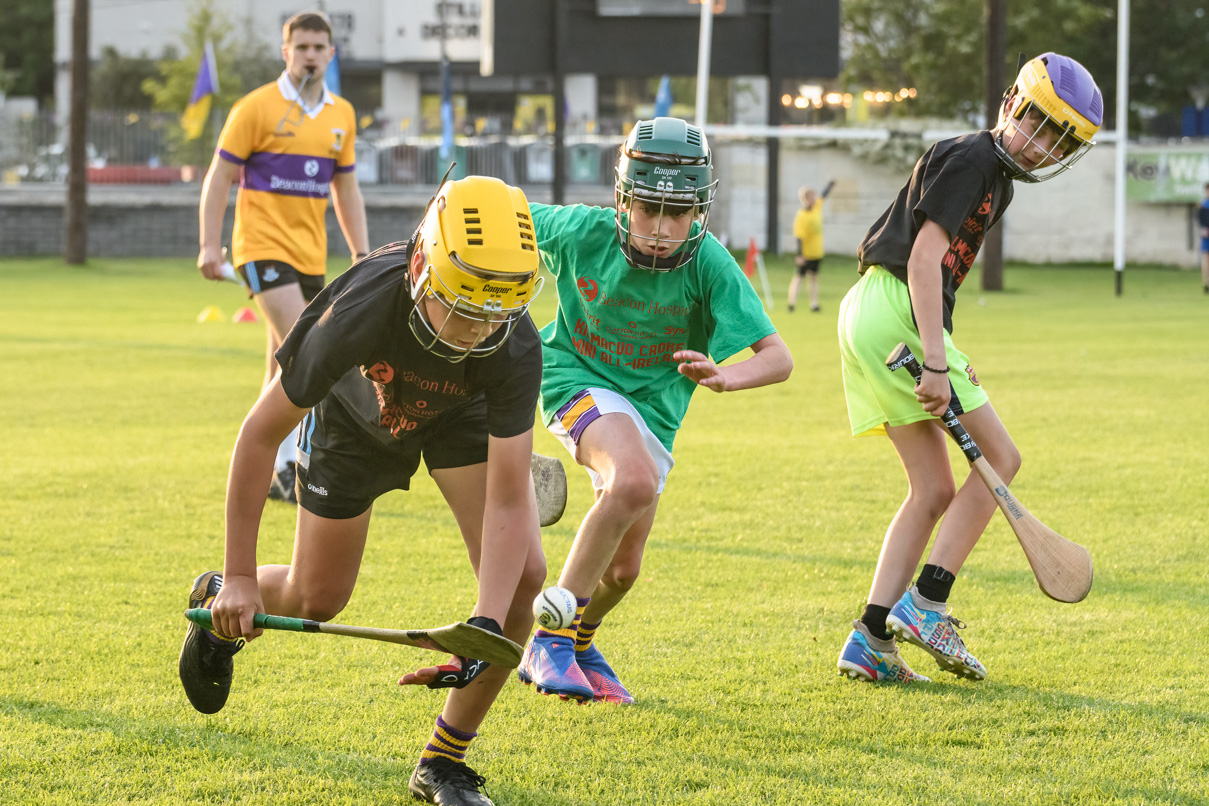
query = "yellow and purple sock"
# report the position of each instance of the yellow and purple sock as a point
(447, 742)
(570, 632)
(583, 638)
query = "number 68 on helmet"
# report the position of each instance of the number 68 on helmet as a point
(481, 265)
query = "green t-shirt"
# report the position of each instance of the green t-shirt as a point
(618, 327)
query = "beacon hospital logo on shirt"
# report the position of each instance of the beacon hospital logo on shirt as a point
(588, 288)
(287, 174)
(416, 398)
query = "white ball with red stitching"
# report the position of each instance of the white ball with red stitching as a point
(554, 608)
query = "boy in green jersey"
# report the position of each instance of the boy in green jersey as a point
(648, 302)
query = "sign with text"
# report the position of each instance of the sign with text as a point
(413, 31)
(1168, 175)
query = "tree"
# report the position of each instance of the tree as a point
(117, 81)
(936, 46)
(27, 45)
(243, 63)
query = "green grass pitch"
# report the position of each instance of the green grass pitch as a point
(120, 411)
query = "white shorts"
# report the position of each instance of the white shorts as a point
(571, 420)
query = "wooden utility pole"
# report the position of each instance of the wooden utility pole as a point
(996, 54)
(75, 209)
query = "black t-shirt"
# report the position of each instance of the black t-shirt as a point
(960, 185)
(352, 349)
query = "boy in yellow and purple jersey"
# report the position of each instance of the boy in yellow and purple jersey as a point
(290, 145)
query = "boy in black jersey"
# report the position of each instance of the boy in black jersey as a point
(422, 350)
(912, 262)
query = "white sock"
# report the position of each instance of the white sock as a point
(287, 451)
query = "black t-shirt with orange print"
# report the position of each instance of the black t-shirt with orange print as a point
(959, 184)
(353, 353)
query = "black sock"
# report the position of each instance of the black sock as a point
(874, 618)
(935, 583)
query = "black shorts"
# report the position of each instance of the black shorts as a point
(342, 469)
(261, 275)
(811, 266)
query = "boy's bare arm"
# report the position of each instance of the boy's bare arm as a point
(215, 190)
(350, 212)
(925, 280)
(770, 363)
(270, 420)
(509, 523)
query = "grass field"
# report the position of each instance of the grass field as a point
(121, 412)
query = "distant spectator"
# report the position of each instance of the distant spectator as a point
(808, 229)
(1202, 214)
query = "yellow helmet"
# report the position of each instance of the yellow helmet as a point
(1062, 97)
(481, 262)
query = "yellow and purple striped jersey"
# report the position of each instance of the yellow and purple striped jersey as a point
(287, 158)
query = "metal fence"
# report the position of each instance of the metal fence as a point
(140, 147)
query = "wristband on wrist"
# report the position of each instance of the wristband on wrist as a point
(932, 369)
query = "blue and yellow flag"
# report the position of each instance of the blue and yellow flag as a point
(204, 90)
(332, 77)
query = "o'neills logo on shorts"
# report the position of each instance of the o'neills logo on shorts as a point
(316, 490)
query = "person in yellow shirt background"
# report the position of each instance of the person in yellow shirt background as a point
(290, 144)
(808, 229)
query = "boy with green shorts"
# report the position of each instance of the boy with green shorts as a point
(646, 296)
(912, 262)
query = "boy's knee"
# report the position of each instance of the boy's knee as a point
(532, 578)
(936, 498)
(320, 606)
(636, 489)
(1011, 464)
(622, 577)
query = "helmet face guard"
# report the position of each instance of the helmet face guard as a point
(481, 266)
(666, 168)
(1056, 98)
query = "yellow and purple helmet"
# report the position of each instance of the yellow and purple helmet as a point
(1059, 96)
(665, 163)
(481, 262)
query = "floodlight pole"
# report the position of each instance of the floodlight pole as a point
(558, 187)
(1118, 247)
(75, 207)
(703, 52)
(996, 54)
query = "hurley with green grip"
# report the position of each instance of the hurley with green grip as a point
(461, 639)
(1063, 569)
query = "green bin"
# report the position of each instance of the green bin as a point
(585, 164)
(458, 156)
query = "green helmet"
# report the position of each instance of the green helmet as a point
(666, 167)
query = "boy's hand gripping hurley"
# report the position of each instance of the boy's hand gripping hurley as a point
(1063, 569)
(461, 639)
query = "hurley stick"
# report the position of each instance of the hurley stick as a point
(1063, 569)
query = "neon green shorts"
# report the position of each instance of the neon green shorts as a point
(874, 317)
